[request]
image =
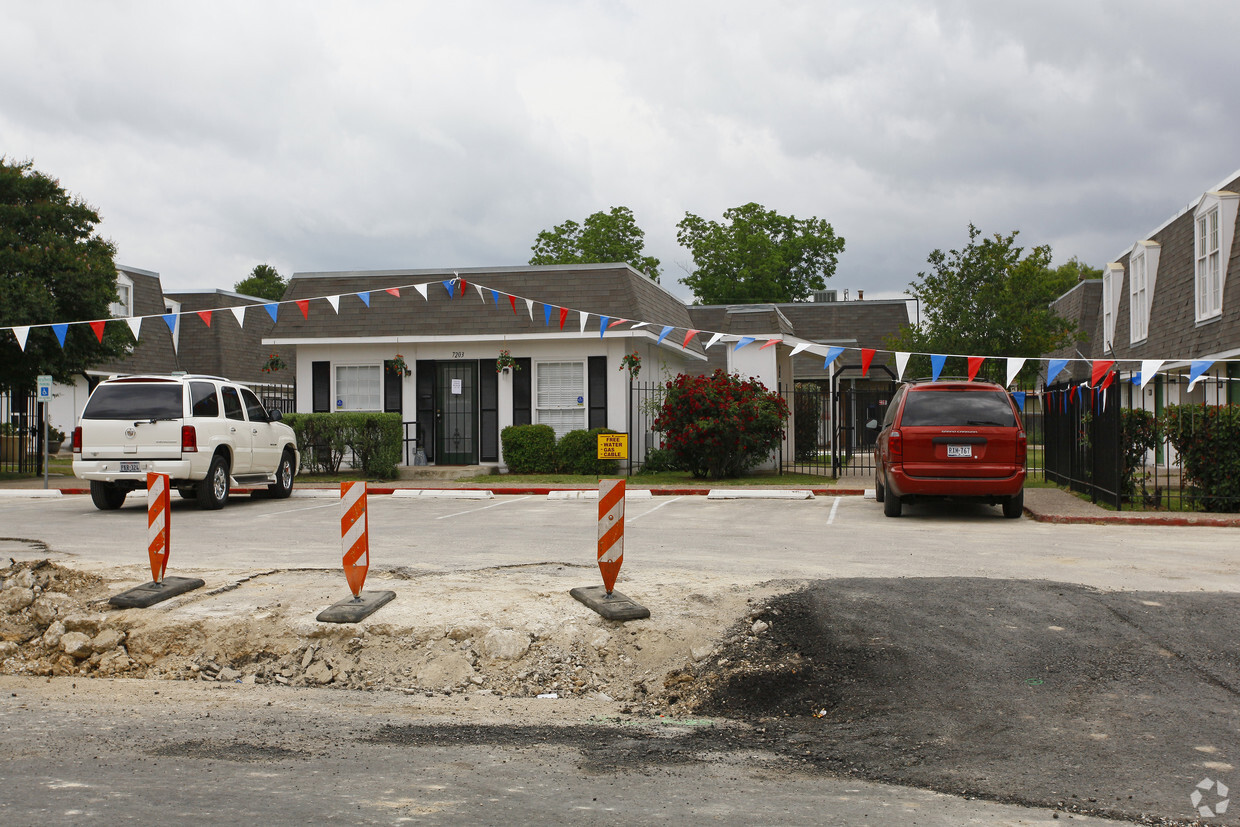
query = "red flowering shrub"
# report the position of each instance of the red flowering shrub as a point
(720, 425)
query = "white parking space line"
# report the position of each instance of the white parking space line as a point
(484, 508)
(669, 501)
(835, 506)
(335, 504)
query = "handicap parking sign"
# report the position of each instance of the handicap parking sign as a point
(45, 386)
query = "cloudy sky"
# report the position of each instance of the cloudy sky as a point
(329, 135)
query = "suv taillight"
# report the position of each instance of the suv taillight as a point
(77, 440)
(1022, 447)
(189, 440)
(895, 446)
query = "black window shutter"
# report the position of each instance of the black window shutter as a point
(393, 388)
(488, 411)
(425, 383)
(596, 382)
(321, 386)
(522, 410)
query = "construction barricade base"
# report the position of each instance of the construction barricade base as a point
(616, 607)
(353, 609)
(148, 594)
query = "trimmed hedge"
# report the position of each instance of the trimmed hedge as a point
(324, 438)
(1208, 441)
(577, 453)
(529, 449)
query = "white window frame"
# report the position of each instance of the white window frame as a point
(350, 398)
(549, 410)
(1138, 296)
(123, 308)
(1214, 224)
(1112, 278)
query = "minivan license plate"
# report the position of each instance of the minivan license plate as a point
(133, 467)
(960, 450)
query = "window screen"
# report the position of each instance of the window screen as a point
(561, 396)
(359, 388)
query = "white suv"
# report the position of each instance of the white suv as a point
(204, 432)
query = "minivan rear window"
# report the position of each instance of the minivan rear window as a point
(134, 401)
(956, 409)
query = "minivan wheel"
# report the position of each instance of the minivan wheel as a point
(213, 491)
(879, 492)
(283, 485)
(892, 506)
(1013, 507)
(107, 496)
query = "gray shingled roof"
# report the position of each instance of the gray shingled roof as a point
(224, 348)
(153, 352)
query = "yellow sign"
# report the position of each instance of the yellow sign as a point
(613, 446)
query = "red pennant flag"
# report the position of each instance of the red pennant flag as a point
(1101, 366)
(1072, 393)
(1107, 382)
(98, 328)
(205, 315)
(462, 287)
(304, 306)
(615, 322)
(975, 362)
(689, 336)
(395, 291)
(867, 356)
(513, 301)
(770, 342)
(563, 316)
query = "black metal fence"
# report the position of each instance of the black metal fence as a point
(21, 434)
(1082, 441)
(282, 397)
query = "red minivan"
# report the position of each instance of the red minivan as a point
(950, 439)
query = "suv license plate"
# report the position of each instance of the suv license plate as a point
(134, 467)
(960, 450)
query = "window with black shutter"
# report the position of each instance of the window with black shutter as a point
(596, 383)
(321, 386)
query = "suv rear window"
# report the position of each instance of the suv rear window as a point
(134, 401)
(957, 408)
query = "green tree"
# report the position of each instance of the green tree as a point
(54, 269)
(990, 298)
(757, 255)
(603, 238)
(263, 282)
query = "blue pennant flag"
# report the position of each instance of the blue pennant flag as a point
(1199, 367)
(1019, 396)
(365, 297)
(450, 286)
(1054, 368)
(272, 310)
(1136, 378)
(602, 325)
(745, 340)
(495, 297)
(936, 366)
(170, 319)
(832, 354)
(547, 314)
(61, 330)
(666, 330)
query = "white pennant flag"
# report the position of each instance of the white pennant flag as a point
(1149, 367)
(421, 288)
(481, 295)
(21, 333)
(529, 305)
(639, 324)
(334, 301)
(135, 324)
(715, 337)
(1014, 364)
(584, 316)
(901, 364)
(239, 312)
(800, 347)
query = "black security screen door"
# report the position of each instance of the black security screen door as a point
(456, 397)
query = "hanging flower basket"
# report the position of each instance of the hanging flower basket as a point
(397, 365)
(274, 363)
(633, 362)
(505, 361)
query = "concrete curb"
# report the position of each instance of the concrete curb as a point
(445, 493)
(759, 494)
(629, 494)
(29, 493)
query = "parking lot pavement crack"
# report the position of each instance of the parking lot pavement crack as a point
(227, 587)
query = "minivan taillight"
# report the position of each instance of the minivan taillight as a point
(895, 446)
(189, 440)
(77, 440)
(1022, 447)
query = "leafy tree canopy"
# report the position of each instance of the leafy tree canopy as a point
(757, 255)
(603, 238)
(263, 282)
(53, 268)
(989, 298)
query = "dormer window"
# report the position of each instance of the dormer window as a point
(1112, 279)
(123, 306)
(1142, 274)
(1214, 223)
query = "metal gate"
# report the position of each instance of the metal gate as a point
(852, 444)
(21, 437)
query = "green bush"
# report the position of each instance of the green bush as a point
(577, 453)
(659, 460)
(1140, 434)
(324, 438)
(720, 425)
(1208, 441)
(808, 403)
(529, 449)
